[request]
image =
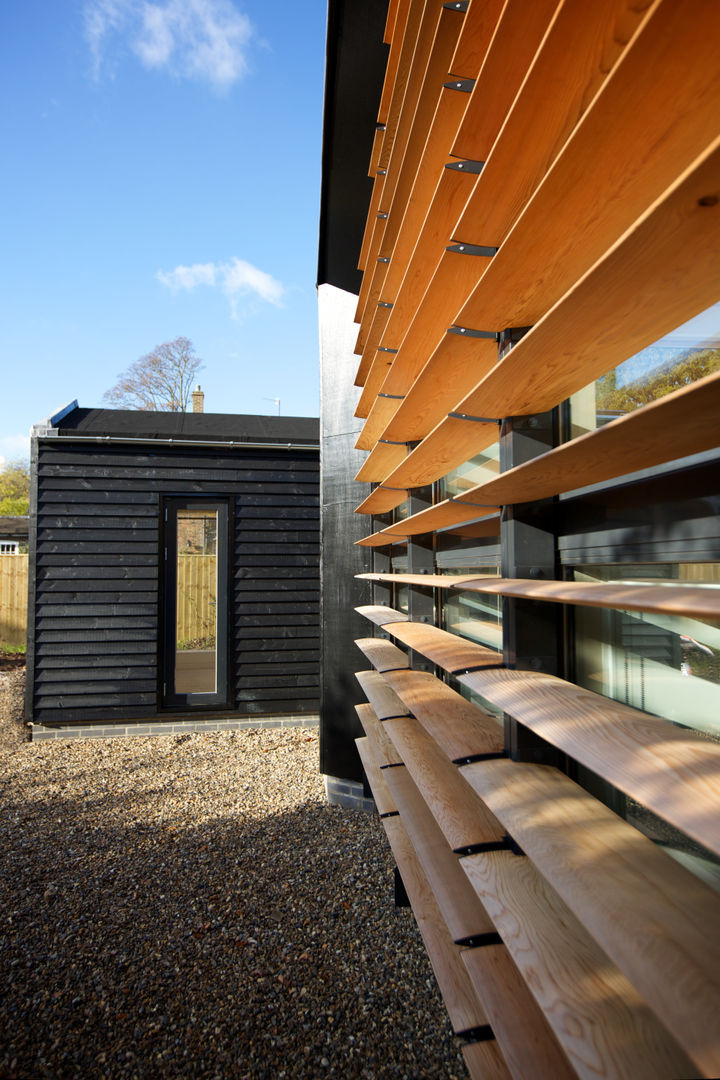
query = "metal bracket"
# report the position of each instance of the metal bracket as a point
(506, 844)
(384, 348)
(392, 764)
(474, 419)
(479, 941)
(483, 1033)
(478, 667)
(381, 217)
(464, 85)
(384, 303)
(467, 165)
(393, 442)
(465, 331)
(457, 5)
(390, 813)
(383, 259)
(471, 759)
(472, 249)
(394, 397)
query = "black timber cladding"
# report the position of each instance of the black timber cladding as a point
(96, 604)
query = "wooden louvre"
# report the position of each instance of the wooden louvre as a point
(551, 214)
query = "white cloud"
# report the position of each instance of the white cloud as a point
(201, 39)
(235, 278)
(13, 447)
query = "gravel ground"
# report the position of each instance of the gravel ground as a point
(189, 906)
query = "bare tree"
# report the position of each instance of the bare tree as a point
(159, 382)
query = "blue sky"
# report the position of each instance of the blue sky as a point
(160, 177)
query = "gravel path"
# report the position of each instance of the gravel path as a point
(189, 906)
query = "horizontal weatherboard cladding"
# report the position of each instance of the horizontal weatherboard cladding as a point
(97, 605)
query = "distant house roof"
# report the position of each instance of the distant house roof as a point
(14, 528)
(75, 421)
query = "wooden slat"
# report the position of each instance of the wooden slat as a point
(615, 164)
(381, 696)
(374, 540)
(380, 365)
(598, 1017)
(456, 363)
(400, 12)
(385, 457)
(382, 500)
(672, 770)
(382, 654)
(480, 24)
(373, 211)
(701, 602)
(461, 909)
(484, 1061)
(370, 289)
(391, 21)
(449, 512)
(583, 43)
(655, 920)
(460, 1000)
(393, 95)
(617, 309)
(682, 423)
(383, 750)
(381, 792)
(382, 616)
(381, 413)
(451, 652)
(462, 817)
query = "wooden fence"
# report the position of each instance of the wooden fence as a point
(196, 598)
(13, 599)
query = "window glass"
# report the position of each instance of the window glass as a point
(477, 470)
(474, 615)
(678, 359)
(662, 664)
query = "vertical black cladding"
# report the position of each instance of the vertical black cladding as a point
(96, 590)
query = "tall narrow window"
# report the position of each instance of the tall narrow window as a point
(195, 631)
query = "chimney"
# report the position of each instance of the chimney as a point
(197, 399)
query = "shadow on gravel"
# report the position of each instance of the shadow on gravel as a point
(243, 947)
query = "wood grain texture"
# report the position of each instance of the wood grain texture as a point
(382, 749)
(484, 1061)
(597, 1015)
(400, 11)
(462, 817)
(461, 908)
(370, 225)
(582, 44)
(458, 727)
(655, 920)
(523, 1034)
(377, 373)
(381, 696)
(682, 423)
(670, 769)
(374, 540)
(383, 458)
(393, 96)
(381, 500)
(435, 517)
(381, 616)
(457, 363)
(381, 413)
(478, 29)
(449, 651)
(617, 162)
(670, 599)
(452, 442)
(382, 654)
(460, 1000)
(381, 792)
(517, 36)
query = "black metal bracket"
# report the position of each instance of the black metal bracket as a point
(401, 897)
(396, 716)
(383, 259)
(471, 759)
(483, 1033)
(392, 764)
(506, 844)
(457, 5)
(385, 303)
(390, 813)
(478, 667)
(384, 348)
(394, 397)
(382, 216)
(472, 249)
(464, 85)
(475, 419)
(465, 331)
(467, 165)
(393, 442)
(480, 941)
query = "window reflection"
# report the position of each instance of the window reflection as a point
(474, 615)
(679, 359)
(196, 602)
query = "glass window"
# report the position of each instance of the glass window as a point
(474, 615)
(477, 470)
(678, 359)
